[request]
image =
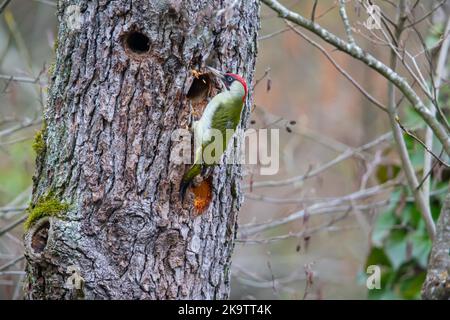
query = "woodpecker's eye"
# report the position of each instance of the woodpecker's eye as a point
(230, 79)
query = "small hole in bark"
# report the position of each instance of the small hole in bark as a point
(199, 87)
(137, 42)
(40, 237)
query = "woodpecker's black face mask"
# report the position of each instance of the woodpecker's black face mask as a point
(227, 80)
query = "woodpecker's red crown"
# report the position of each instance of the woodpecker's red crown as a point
(230, 77)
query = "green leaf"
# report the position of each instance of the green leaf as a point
(410, 288)
(383, 225)
(395, 248)
(411, 118)
(421, 248)
(416, 154)
(387, 172)
(377, 256)
(411, 216)
(386, 282)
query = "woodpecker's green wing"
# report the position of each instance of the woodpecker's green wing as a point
(226, 117)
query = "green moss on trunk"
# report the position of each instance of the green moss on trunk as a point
(45, 206)
(39, 146)
(39, 143)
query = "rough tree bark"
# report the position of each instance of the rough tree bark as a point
(437, 282)
(119, 89)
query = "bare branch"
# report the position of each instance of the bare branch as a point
(12, 225)
(426, 15)
(313, 12)
(345, 20)
(427, 149)
(48, 2)
(25, 124)
(19, 78)
(11, 263)
(273, 34)
(440, 69)
(343, 156)
(266, 73)
(340, 69)
(3, 5)
(359, 54)
(316, 209)
(408, 168)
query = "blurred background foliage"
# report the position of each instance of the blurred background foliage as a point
(400, 243)
(320, 114)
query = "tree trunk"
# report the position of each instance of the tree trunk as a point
(106, 208)
(437, 282)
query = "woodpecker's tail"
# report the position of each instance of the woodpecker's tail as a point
(188, 177)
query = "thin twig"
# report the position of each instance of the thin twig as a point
(11, 263)
(312, 173)
(3, 5)
(339, 68)
(375, 64)
(313, 12)
(12, 225)
(408, 168)
(426, 15)
(346, 21)
(19, 78)
(428, 150)
(363, 193)
(317, 209)
(273, 34)
(440, 68)
(266, 73)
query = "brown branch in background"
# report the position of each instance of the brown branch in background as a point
(375, 64)
(313, 12)
(339, 68)
(273, 34)
(25, 124)
(426, 15)
(421, 202)
(48, 2)
(11, 263)
(266, 73)
(326, 11)
(428, 174)
(18, 78)
(341, 157)
(12, 225)
(330, 207)
(3, 5)
(436, 80)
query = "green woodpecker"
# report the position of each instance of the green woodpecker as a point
(222, 112)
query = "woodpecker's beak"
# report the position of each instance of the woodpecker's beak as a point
(218, 74)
